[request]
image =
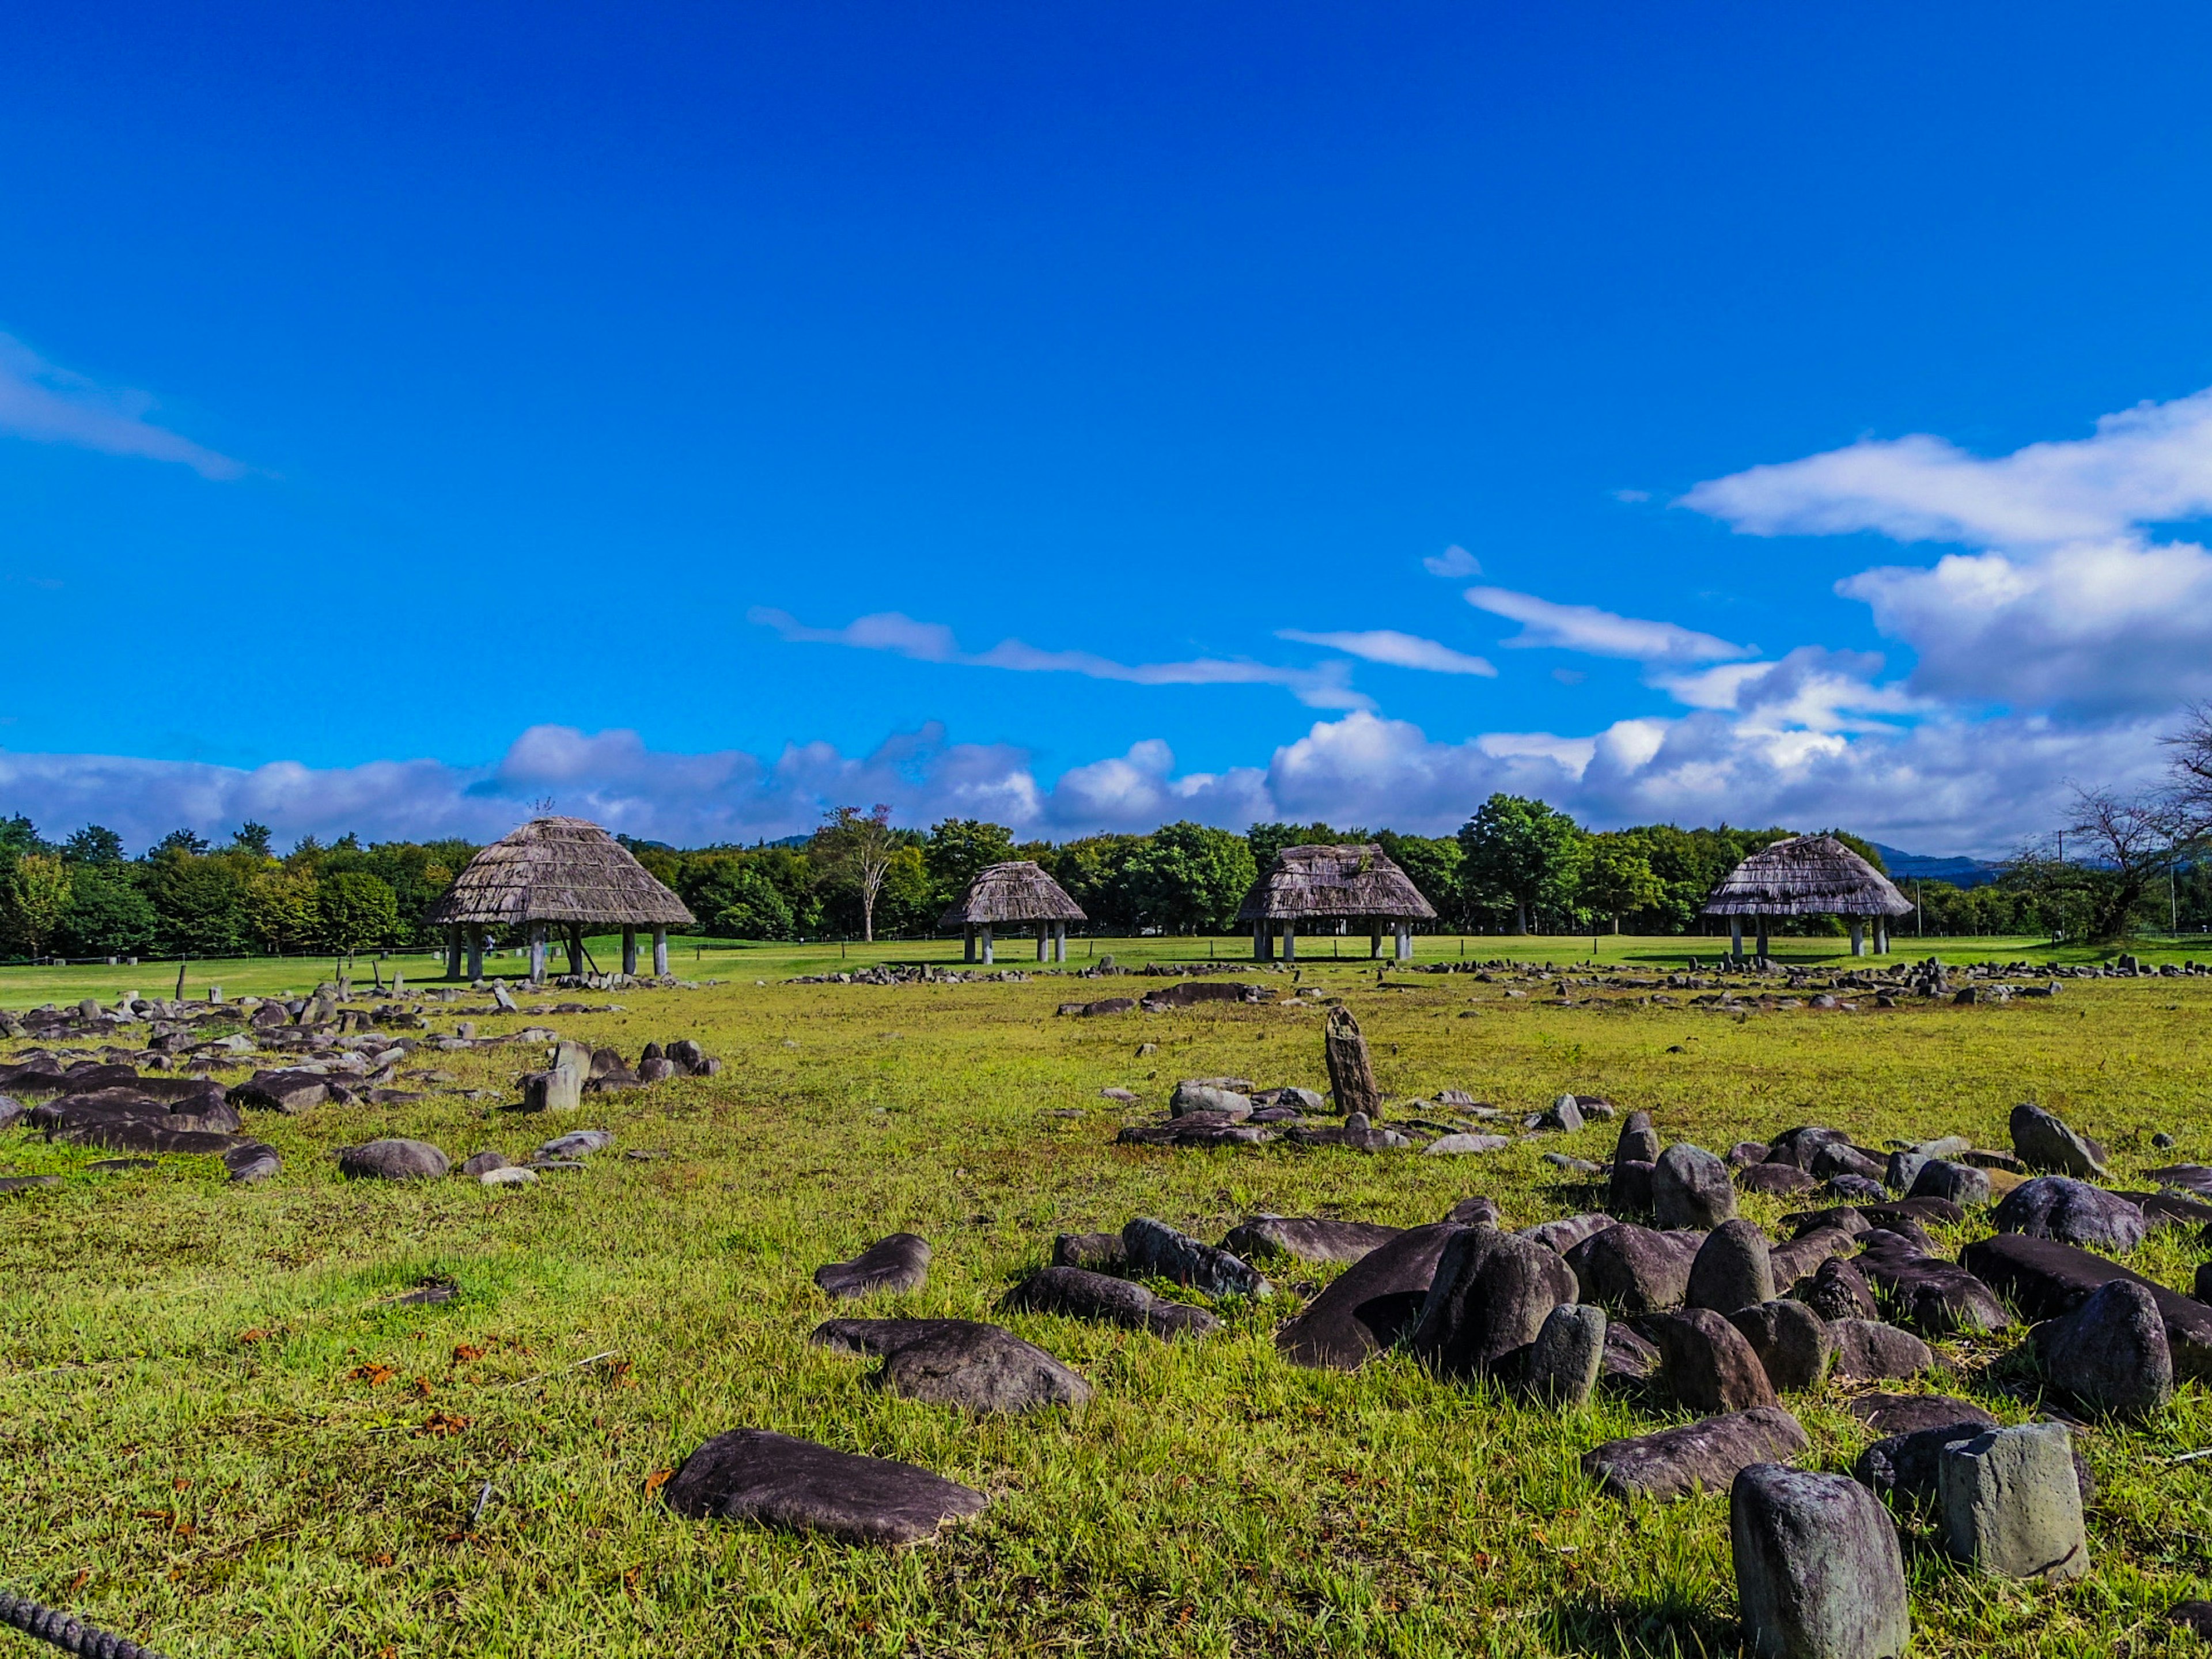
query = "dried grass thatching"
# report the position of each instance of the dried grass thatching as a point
(1305, 882)
(1806, 876)
(558, 870)
(1019, 891)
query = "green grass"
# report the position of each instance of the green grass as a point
(189, 1453)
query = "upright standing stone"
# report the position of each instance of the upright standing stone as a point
(1349, 1073)
(2110, 1353)
(1563, 1362)
(2012, 1505)
(1690, 1187)
(1638, 1142)
(2047, 1145)
(1732, 1269)
(1817, 1566)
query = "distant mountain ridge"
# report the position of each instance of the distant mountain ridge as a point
(1959, 872)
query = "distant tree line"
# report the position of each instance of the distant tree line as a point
(1517, 865)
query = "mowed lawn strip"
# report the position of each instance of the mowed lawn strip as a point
(219, 1434)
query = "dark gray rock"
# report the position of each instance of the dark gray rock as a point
(1634, 1269)
(2047, 1279)
(1193, 1094)
(289, 1092)
(1932, 1296)
(2195, 1616)
(1798, 1145)
(1708, 1364)
(1475, 1213)
(2190, 1177)
(1098, 1253)
(1305, 1239)
(1854, 1189)
(1629, 1356)
(1731, 1269)
(980, 1368)
(1563, 1235)
(1158, 1251)
(392, 1160)
(1078, 1294)
(251, 1161)
(881, 1337)
(1961, 1183)
(1792, 1342)
(1638, 1142)
(2110, 1354)
(1491, 1295)
(581, 1143)
(12, 1184)
(479, 1164)
(1747, 1152)
(1707, 1454)
(11, 1110)
(1893, 1414)
(1800, 1258)
(1839, 1290)
(1690, 1189)
(1370, 1306)
(2045, 1143)
(796, 1485)
(2073, 1213)
(1867, 1351)
(1628, 1189)
(891, 1266)
(1833, 1158)
(1818, 1570)
(2011, 1503)
(1775, 1180)
(1563, 1362)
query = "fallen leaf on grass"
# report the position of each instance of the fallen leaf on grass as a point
(247, 1338)
(656, 1480)
(375, 1375)
(382, 1560)
(420, 1387)
(445, 1424)
(465, 1352)
(83, 1577)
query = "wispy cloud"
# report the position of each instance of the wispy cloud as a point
(47, 403)
(1598, 632)
(1386, 645)
(1328, 685)
(1454, 561)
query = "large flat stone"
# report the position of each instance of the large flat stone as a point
(1370, 1306)
(1077, 1293)
(2047, 1279)
(796, 1485)
(1305, 1239)
(890, 1266)
(1675, 1462)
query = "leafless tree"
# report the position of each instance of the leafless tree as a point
(2189, 762)
(2130, 840)
(857, 847)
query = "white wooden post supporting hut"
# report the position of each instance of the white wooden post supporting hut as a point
(1333, 885)
(565, 873)
(1014, 894)
(1807, 876)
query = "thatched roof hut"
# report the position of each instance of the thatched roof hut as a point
(1333, 884)
(558, 872)
(1011, 895)
(1807, 876)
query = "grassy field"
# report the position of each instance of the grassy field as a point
(219, 1435)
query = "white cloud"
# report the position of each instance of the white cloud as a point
(1386, 645)
(1454, 561)
(1328, 685)
(1598, 632)
(2148, 465)
(1632, 496)
(47, 403)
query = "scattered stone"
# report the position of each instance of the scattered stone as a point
(1960, 1183)
(1855, 1188)
(2011, 1504)
(1077, 1293)
(482, 1163)
(1491, 1293)
(1370, 1306)
(2047, 1279)
(1802, 1256)
(510, 1175)
(1629, 1357)
(1563, 1235)
(2045, 1144)
(1793, 1343)
(1564, 1116)
(392, 1160)
(1448, 1146)
(1707, 1454)
(1731, 1270)
(2192, 1616)
(1867, 1351)
(1638, 1142)
(1909, 1413)
(1934, 1296)
(1479, 1212)
(288, 1092)
(1562, 1365)
(1709, 1365)
(10, 1184)
(1818, 1570)
(1635, 1269)
(252, 1160)
(1305, 1239)
(1778, 1180)
(981, 1368)
(1745, 1153)
(1157, 1249)
(897, 1264)
(2074, 1212)
(580, 1144)
(1629, 1191)
(796, 1485)
(1208, 1095)
(1690, 1187)
(1839, 1290)
(2110, 1354)
(1833, 1160)
(1098, 1253)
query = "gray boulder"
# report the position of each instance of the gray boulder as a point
(1563, 1362)
(392, 1160)
(890, 1266)
(795, 1486)
(1634, 1269)
(1707, 1454)
(1818, 1570)
(1800, 1258)
(1193, 1096)
(1833, 1160)
(1370, 1306)
(479, 1164)
(1732, 1269)
(1839, 1290)
(1638, 1142)
(1793, 1343)
(2074, 1212)
(1491, 1294)
(1078, 1294)
(2011, 1505)
(1477, 1211)
(1867, 1351)
(1563, 1234)
(1690, 1187)
(980, 1368)
(2045, 1143)
(1099, 1253)
(1709, 1365)
(1933, 1296)
(1628, 1189)
(2047, 1279)
(1961, 1183)
(1775, 1180)
(251, 1161)
(2110, 1354)
(1158, 1251)
(1305, 1239)
(580, 1144)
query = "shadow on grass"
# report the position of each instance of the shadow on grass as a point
(1661, 1626)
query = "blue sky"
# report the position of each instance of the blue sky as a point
(703, 415)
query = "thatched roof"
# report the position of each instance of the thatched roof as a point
(1019, 891)
(1806, 876)
(1331, 882)
(558, 870)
